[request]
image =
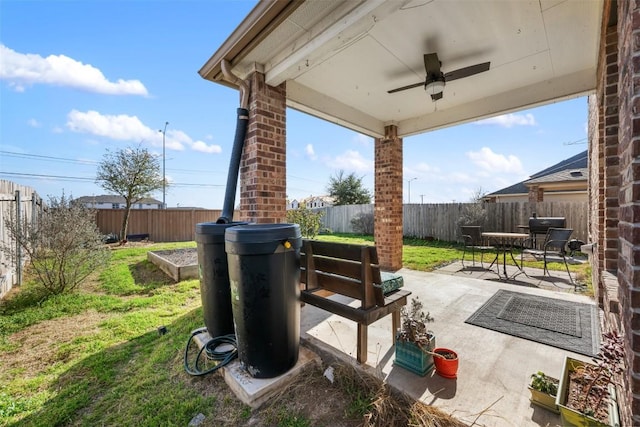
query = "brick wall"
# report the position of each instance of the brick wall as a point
(610, 178)
(263, 168)
(628, 226)
(388, 201)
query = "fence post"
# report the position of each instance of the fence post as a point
(34, 208)
(18, 248)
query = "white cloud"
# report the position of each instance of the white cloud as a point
(34, 123)
(311, 154)
(495, 163)
(129, 128)
(423, 167)
(510, 120)
(203, 147)
(351, 160)
(21, 70)
(361, 139)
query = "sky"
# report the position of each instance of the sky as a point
(79, 79)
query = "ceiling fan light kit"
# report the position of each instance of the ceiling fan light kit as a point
(434, 87)
(435, 79)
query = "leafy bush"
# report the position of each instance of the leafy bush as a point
(363, 223)
(308, 220)
(63, 245)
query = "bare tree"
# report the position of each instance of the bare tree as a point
(63, 246)
(474, 212)
(132, 173)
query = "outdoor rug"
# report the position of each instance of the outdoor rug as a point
(564, 324)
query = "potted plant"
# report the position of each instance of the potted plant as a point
(446, 362)
(414, 343)
(586, 394)
(544, 390)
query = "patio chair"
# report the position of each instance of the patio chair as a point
(555, 243)
(473, 241)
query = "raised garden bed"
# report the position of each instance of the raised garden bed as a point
(179, 264)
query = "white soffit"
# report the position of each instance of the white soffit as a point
(339, 58)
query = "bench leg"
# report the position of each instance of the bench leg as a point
(362, 343)
(395, 324)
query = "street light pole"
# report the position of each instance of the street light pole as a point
(412, 179)
(164, 177)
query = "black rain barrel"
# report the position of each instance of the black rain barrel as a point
(214, 277)
(264, 272)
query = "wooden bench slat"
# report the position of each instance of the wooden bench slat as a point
(394, 301)
(338, 266)
(340, 250)
(340, 285)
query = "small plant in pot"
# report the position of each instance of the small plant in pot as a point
(543, 390)
(415, 344)
(413, 341)
(586, 395)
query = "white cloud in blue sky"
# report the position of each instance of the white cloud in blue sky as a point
(34, 123)
(492, 162)
(364, 140)
(351, 161)
(129, 128)
(311, 154)
(21, 70)
(510, 120)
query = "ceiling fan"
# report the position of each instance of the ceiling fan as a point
(435, 80)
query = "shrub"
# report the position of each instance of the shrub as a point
(308, 220)
(63, 245)
(363, 223)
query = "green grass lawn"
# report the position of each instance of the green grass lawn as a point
(423, 255)
(95, 357)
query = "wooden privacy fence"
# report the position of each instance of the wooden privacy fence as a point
(162, 225)
(440, 221)
(16, 201)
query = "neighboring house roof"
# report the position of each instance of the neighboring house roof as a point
(573, 169)
(107, 198)
(562, 176)
(325, 199)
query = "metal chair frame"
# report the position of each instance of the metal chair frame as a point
(555, 243)
(472, 236)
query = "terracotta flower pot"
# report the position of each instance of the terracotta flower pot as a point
(447, 368)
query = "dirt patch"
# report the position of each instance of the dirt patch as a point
(43, 344)
(180, 257)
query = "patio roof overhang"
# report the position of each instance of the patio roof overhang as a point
(340, 58)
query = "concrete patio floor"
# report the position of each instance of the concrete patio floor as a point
(494, 368)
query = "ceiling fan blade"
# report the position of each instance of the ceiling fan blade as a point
(431, 63)
(436, 96)
(467, 71)
(406, 87)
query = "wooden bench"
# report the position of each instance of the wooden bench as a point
(351, 270)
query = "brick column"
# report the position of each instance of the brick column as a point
(263, 168)
(388, 199)
(611, 161)
(596, 190)
(628, 197)
(536, 194)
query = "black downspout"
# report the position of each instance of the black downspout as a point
(234, 167)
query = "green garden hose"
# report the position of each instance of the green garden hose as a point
(210, 348)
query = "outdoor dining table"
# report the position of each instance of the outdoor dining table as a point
(505, 242)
